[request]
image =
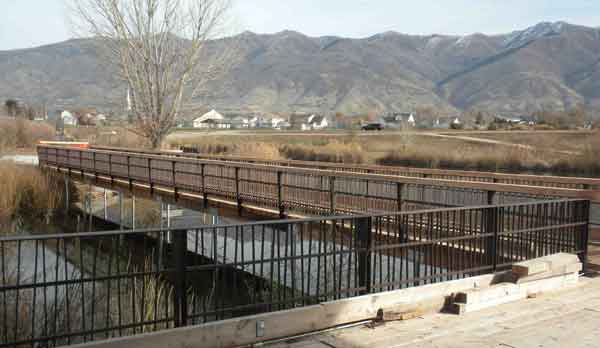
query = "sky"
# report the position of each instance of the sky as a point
(29, 23)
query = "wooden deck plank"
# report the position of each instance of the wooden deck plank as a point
(566, 318)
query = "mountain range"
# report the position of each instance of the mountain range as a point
(549, 66)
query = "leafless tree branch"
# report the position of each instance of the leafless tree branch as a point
(158, 46)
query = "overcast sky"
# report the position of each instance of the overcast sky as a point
(27, 23)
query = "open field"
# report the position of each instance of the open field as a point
(560, 152)
(539, 151)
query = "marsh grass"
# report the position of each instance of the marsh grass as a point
(542, 152)
(586, 161)
(20, 133)
(28, 192)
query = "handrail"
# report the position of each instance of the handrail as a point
(470, 175)
(272, 223)
(478, 185)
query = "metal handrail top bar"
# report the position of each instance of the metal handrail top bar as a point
(279, 221)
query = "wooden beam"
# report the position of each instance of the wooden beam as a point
(243, 331)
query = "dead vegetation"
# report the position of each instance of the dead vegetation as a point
(28, 192)
(19, 133)
(559, 153)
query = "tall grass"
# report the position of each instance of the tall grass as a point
(21, 133)
(28, 192)
(498, 158)
(561, 154)
(335, 151)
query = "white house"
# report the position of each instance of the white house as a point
(399, 120)
(240, 122)
(277, 122)
(211, 119)
(317, 122)
(259, 122)
(68, 118)
(100, 118)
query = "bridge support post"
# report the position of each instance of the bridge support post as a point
(363, 252)
(180, 281)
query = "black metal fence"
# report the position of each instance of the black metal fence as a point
(70, 288)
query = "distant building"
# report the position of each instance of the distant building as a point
(240, 122)
(277, 122)
(523, 119)
(68, 119)
(314, 122)
(211, 120)
(447, 122)
(399, 120)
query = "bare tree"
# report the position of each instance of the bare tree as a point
(159, 47)
(12, 107)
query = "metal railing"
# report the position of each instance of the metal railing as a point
(457, 175)
(70, 288)
(289, 190)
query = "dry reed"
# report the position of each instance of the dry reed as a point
(28, 192)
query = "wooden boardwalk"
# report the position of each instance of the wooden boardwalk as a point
(567, 318)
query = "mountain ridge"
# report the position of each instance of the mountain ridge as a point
(546, 66)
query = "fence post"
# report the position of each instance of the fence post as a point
(204, 196)
(238, 198)
(363, 254)
(180, 281)
(105, 205)
(332, 206)
(81, 163)
(490, 197)
(94, 164)
(112, 178)
(67, 196)
(585, 238)
(173, 173)
(490, 228)
(150, 176)
(68, 164)
(280, 195)
(133, 212)
(129, 179)
(399, 194)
